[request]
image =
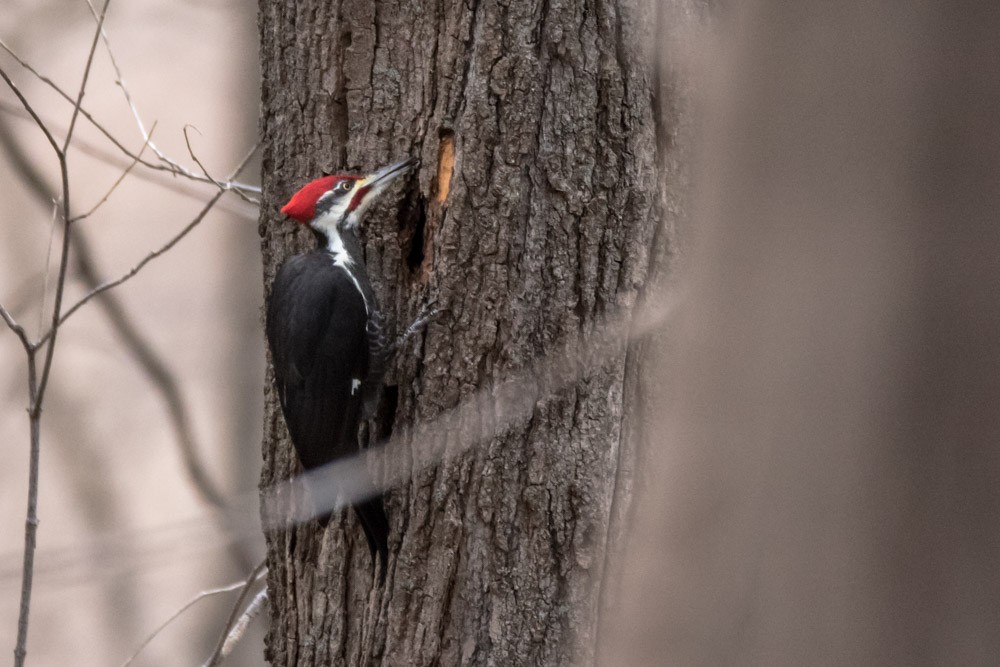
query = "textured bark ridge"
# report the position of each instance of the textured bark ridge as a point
(534, 215)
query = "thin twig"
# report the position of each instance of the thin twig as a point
(169, 167)
(152, 364)
(48, 263)
(36, 407)
(34, 413)
(197, 598)
(173, 165)
(31, 519)
(236, 634)
(86, 75)
(36, 384)
(27, 107)
(112, 159)
(138, 267)
(221, 186)
(152, 255)
(16, 328)
(120, 80)
(187, 142)
(115, 185)
(234, 615)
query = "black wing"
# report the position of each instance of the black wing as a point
(316, 322)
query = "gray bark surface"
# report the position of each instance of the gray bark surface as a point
(534, 215)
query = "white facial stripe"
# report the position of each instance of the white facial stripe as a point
(328, 221)
(323, 197)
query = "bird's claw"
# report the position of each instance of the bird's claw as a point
(428, 315)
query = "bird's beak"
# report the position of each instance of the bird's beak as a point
(381, 178)
(367, 190)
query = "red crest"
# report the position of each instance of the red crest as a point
(302, 205)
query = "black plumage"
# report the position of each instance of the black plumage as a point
(325, 332)
(325, 346)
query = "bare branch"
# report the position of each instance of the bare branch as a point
(120, 80)
(27, 107)
(152, 364)
(190, 603)
(48, 260)
(38, 377)
(31, 518)
(169, 166)
(172, 165)
(158, 176)
(36, 406)
(221, 186)
(16, 328)
(86, 76)
(152, 255)
(36, 384)
(234, 615)
(115, 185)
(39, 396)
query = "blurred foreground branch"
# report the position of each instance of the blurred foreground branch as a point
(239, 585)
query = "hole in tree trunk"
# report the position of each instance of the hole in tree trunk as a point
(415, 256)
(385, 416)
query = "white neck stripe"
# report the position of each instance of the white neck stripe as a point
(341, 258)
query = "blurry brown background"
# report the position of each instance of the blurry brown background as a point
(123, 542)
(825, 478)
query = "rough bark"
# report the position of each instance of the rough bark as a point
(532, 217)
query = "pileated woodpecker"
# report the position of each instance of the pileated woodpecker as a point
(325, 332)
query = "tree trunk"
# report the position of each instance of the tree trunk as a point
(535, 215)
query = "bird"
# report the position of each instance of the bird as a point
(326, 334)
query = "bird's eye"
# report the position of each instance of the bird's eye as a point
(345, 186)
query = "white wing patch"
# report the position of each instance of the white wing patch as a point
(355, 384)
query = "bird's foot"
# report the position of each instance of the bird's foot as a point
(428, 315)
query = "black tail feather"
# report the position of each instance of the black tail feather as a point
(371, 515)
(375, 523)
